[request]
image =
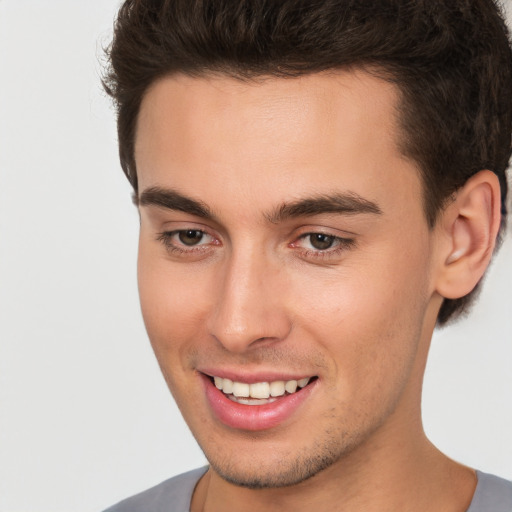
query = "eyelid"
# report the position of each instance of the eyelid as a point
(342, 245)
(167, 238)
(325, 229)
(341, 242)
(336, 238)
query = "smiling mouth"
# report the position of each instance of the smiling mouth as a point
(259, 393)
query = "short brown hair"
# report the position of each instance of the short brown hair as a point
(451, 61)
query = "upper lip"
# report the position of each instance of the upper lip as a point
(253, 377)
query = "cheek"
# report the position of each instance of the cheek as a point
(173, 304)
(174, 316)
(369, 320)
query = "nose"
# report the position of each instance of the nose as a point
(251, 306)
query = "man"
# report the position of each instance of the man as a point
(319, 184)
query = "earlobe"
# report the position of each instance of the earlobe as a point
(470, 226)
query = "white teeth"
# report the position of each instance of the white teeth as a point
(291, 386)
(227, 386)
(260, 391)
(251, 401)
(241, 389)
(277, 388)
(303, 382)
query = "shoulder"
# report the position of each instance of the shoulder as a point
(492, 494)
(176, 491)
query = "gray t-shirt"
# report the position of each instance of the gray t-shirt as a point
(492, 494)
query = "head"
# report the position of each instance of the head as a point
(451, 63)
(303, 170)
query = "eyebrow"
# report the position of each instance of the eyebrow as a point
(347, 203)
(173, 200)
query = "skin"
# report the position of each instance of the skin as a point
(254, 294)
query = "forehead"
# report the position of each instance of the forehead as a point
(260, 138)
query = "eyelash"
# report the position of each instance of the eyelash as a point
(340, 244)
(166, 237)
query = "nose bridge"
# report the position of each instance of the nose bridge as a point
(248, 308)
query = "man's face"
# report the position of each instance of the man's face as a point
(283, 238)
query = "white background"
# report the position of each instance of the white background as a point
(85, 417)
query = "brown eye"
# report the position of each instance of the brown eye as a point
(320, 241)
(190, 236)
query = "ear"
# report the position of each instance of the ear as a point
(468, 230)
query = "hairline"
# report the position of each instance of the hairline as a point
(245, 74)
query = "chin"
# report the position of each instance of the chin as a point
(276, 477)
(277, 471)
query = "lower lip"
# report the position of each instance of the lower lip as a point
(254, 417)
